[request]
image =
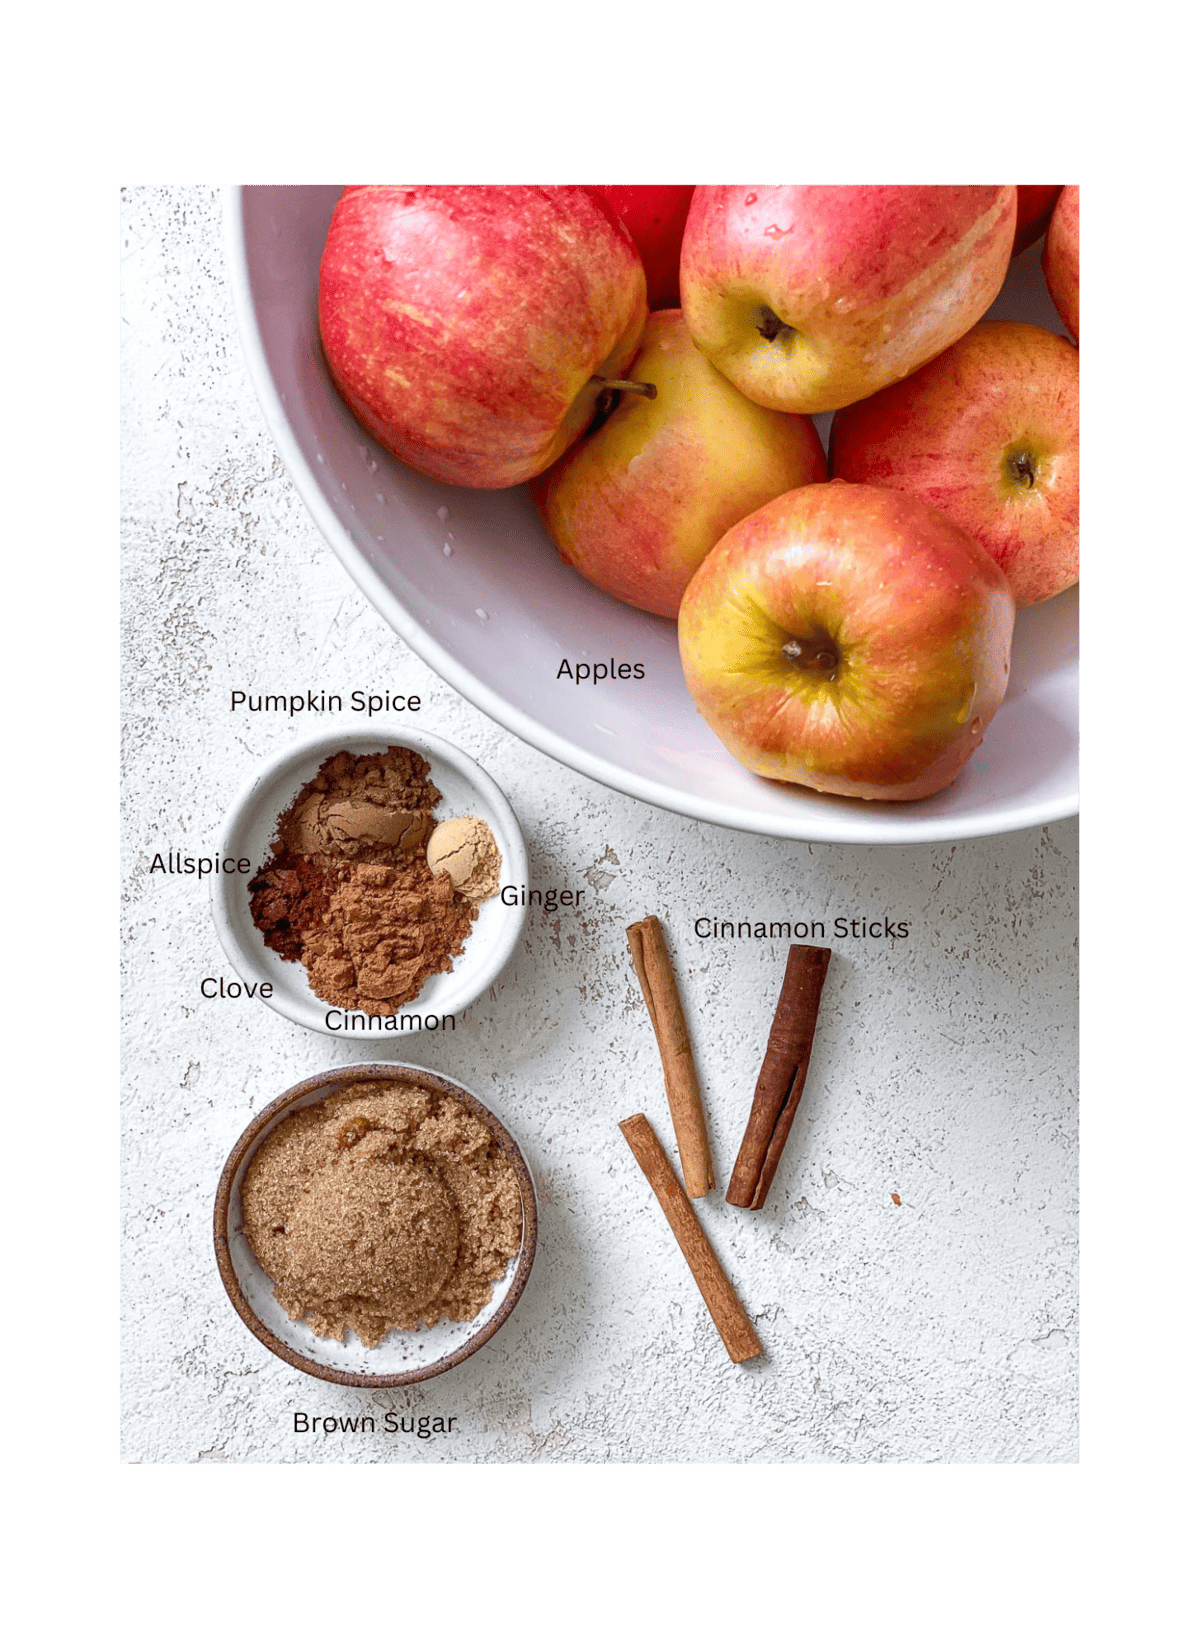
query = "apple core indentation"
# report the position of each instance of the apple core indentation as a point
(817, 655)
(1022, 467)
(770, 326)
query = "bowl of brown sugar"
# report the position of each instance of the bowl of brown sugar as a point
(375, 1226)
(364, 890)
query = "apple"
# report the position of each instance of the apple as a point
(637, 505)
(1035, 203)
(989, 433)
(848, 638)
(654, 214)
(1060, 258)
(809, 297)
(470, 329)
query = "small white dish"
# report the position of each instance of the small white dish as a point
(249, 829)
(401, 1359)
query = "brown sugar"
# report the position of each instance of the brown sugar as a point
(386, 1206)
(348, 890)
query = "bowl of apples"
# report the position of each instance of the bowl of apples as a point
(759, 504)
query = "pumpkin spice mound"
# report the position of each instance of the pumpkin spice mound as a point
(386, 1206)
(348, 891)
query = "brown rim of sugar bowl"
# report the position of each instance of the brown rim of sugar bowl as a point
(228, 1207)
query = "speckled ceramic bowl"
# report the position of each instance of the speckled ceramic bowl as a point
(250, 826)
(401, 1359)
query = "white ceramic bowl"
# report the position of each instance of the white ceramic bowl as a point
(250, 827)
(497, 615)
(401, 1359)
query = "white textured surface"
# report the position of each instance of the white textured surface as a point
(943, 1329)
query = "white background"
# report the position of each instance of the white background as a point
(940, 1329)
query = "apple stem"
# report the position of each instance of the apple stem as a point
(650, 391)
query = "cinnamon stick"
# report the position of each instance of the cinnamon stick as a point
(657, 979)
(724, 1307)
(781, 1079)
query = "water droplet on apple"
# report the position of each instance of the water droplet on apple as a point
(750, 199)
(447, 549)
(372, 465)
(479, 613)
(976, 728)
(443, 513)
(381, 498)
(320, 458)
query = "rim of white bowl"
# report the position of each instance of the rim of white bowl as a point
(222, 892)
(868, 829)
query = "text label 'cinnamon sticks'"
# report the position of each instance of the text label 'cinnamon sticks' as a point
(657, 979)
(781, 1079)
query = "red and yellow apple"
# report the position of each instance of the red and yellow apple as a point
(848, 638)
(638, 504)
(469, 328)
(1060, 258)
(809, 297)
(1035, 204)
(654, 214)
(989, 433)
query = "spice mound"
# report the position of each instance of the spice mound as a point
(348, 889)
(466, 851)
(386, 1206)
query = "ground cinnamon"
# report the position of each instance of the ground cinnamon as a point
(652, 965)
(782, 1077)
